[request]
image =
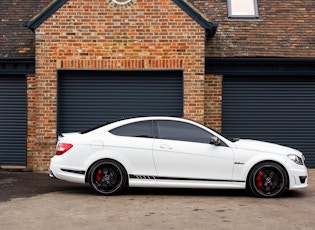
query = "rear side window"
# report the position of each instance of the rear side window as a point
(137, 129)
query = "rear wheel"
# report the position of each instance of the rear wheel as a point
(107, 177)
(268, 179)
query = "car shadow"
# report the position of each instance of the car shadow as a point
(185, 192)
(180, 192)
(28, 184)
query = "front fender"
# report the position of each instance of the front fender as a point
(245, 161)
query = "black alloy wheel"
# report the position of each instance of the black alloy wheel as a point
(107, 177)
(268, 179)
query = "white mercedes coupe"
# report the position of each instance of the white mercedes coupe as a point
(174, 153)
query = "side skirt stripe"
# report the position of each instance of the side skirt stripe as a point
(144, 177)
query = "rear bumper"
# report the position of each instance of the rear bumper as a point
(71, 175)
(51, 174)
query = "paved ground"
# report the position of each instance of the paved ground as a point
(35, 201)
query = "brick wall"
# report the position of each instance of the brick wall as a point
(153, 34)
(31, 118)
(213, 101)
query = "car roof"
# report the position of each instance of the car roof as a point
(137, 119)
(114, 124)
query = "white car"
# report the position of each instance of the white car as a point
(174, 153)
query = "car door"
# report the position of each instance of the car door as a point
(182, 151)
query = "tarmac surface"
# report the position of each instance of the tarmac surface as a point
(31, 200)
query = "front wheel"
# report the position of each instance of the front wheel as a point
(107, 177)
(268, 179)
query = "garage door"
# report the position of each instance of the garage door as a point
(89, 98)
(13, 122)
(274, 109)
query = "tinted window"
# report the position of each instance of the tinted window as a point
(138, 129)
(180, 131)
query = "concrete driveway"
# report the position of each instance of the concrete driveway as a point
(34, 201)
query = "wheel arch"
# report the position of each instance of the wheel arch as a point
(267, 161)
(107, 155)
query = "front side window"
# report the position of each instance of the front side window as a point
(242, 9)
(137, 129)
(180, 131)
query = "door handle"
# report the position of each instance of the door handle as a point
(165, 146)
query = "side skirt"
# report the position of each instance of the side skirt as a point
(167, 182)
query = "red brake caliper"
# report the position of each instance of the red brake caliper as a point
(99, 175)
(259, 181)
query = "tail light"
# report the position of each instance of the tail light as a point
(62, 148)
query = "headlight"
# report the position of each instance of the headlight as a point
(296, 159)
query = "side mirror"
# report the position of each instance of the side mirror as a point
(215, 141)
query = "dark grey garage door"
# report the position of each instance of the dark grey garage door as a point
(275, 109)
(89, 98)
(13, 122)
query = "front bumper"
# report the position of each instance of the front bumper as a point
(298, 179)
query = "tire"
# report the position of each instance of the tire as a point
(268, 179)
(107, 177)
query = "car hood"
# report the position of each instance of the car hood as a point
(262, 146)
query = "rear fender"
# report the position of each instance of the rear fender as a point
(113, 155)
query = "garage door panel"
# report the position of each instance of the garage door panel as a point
(87, 98)
(13, 120)
(275, 109)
